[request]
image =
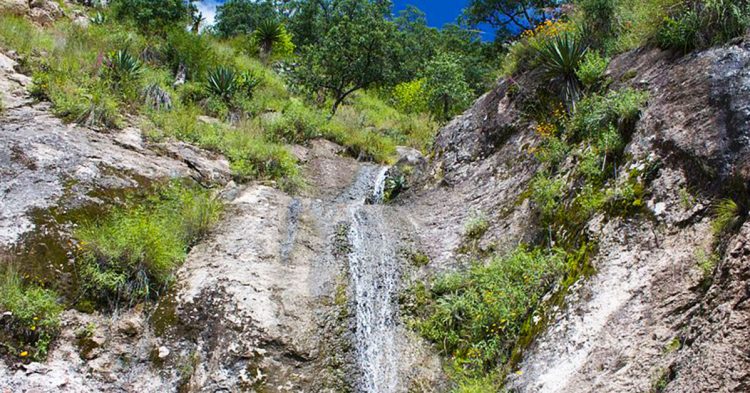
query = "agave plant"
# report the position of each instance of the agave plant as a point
(121, 66)
(268, 34)
(157, 98)
(559, 58)
(223, 82)
(98, 19)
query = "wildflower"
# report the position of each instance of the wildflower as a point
(33, 328)
(24, 354)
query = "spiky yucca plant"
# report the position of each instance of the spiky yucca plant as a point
(268, 34)
(559, 58)
(223, 82)
(121, 66)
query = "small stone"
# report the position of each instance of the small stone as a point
(163, 352)
(130, 326)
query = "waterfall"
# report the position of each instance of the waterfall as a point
(374, 274)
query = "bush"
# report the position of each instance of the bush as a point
(409, 97)
(595, 114)
(477, 316)
(297, 124)
(705, 23)
(194, 53)
(591, 69)
(547, 192)
(130, 254)
(35, 316)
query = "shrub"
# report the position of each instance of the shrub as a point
(34, 316)
(547, 192)
(595, 114)
(192, 52)
(705, 23)
(476, 316)
(409, 97)
(130, 254)
(679, 34)
(591, 69)
(560, 58)
(297, 124)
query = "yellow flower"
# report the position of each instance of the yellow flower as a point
(519, 372)
(33, 328)
(24, 354)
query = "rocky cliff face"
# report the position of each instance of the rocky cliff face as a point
(300, 292)
(645, 320)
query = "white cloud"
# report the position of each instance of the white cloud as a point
(208, 9)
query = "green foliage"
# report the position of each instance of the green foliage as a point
(447, 90)
(358, 49)
(35, 316)
(153, 15)
(727, 214)
(98, 19)
(560, 58)
(707, 262)
(242, 17)
(476, 316)
(596, 114)
(298, 123)
(410, 97)
(547, 192)
(704, 23)
(679, 34)
(591, 69)
(122, 69)
(190, 52)
(223, 83)
(129, 255)
(272, 39)
(19, 34)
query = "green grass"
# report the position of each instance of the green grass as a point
(17, 33)
(727, 214)
(35, 316)
(129, 255)
(475, 317)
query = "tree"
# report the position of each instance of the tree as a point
(359, 49)
(271, 36)
(509, 17)
(155, 15)
(243, 16)
(447, 90)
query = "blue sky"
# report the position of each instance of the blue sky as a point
(439, 12)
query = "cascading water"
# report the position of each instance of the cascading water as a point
(374, 277)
